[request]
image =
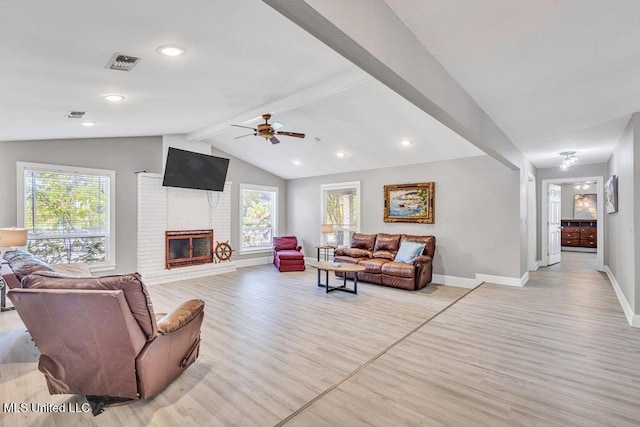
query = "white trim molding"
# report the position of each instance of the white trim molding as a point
(464, 282)
(632, 318)
(504, 280)
(461, 282)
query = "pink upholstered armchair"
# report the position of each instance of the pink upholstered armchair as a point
(287, 255)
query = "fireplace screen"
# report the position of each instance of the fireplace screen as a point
(189, 247)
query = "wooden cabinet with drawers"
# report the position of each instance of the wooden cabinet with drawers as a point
(581, 233)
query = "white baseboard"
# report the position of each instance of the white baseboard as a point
(504, 280)
(536, 265)
(461, 282)
(632, 318)
(250, 262)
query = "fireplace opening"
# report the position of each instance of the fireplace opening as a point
(188, 247)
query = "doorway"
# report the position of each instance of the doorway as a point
(593, 229)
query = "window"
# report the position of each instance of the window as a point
(69, 213)
(258, 217)
(341, 208)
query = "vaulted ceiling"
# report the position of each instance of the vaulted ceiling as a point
(554, 75)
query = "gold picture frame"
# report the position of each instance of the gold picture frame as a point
(410, 203)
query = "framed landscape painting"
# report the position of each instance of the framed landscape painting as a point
(410, 203)
(611, 194)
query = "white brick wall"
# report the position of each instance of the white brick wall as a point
(164, 208)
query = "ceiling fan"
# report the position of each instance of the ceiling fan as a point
(267, 131)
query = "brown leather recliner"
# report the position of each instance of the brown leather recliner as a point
(99, 336)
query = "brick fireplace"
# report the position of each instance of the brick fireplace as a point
(165, 208)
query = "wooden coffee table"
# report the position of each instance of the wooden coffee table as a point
(343, 267)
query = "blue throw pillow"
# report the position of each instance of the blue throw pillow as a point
(408, 251)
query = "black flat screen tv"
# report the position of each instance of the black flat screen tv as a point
(186, 169)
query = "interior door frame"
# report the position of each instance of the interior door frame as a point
(544, 217)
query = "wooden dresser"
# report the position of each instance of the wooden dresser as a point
(582, 233)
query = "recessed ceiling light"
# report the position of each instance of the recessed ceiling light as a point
(88, 124)
(171, 50)
(405, 143)
(113, 98)
(297, 162)
(340, 154)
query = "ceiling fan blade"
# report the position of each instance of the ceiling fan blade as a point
(246, 127)
(294, 134)
(249, 134)
(274, 140)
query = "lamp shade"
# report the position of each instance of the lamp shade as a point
(13, 237)
(327, 228)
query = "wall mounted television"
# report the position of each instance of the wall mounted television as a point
(186, 169)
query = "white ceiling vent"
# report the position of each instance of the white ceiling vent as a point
(76, 114)
(122, 62)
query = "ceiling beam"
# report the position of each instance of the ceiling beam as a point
(369, 34)
(315, 92)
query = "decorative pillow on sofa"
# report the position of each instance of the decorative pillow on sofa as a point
(408, 251)
(363, 241)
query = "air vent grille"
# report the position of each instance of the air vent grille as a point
(76, 114)
(122, 62)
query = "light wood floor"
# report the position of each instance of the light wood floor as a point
(277, 350)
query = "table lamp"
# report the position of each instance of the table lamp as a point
(326, 229)
(13, 237)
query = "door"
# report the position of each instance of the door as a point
(553, 229)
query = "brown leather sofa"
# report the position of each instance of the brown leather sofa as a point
(99, 336)
(377, 253)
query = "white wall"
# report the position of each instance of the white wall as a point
(476, 213)
(124, 155)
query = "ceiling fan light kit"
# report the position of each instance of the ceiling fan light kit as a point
(267, 131)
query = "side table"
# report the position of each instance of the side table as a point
(325, 251)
